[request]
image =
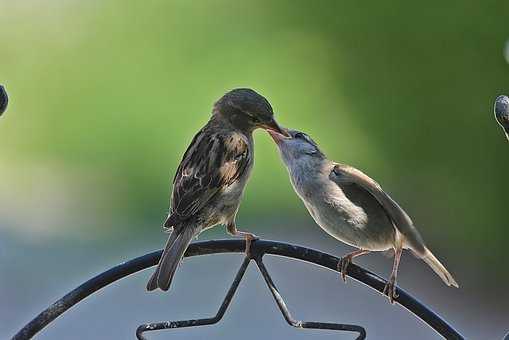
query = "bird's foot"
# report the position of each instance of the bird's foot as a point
(249, 239)
(343, 265)
(347, 259)
(390, 290)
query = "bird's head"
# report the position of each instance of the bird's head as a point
(298, 146)
(247, 110)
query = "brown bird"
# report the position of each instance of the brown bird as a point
(210, 180)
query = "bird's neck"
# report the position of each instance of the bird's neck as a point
(307, 169)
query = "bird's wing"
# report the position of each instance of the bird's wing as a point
(342, 174)
(213, 161)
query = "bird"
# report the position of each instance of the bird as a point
(501, 110)
(210, 180)
(3, 100)
(352, 207)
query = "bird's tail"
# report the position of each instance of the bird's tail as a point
(439, 268)
(173, 252)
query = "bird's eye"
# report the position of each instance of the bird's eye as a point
(252, 117)
(300, 135)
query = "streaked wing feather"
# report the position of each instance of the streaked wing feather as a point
(212, 161)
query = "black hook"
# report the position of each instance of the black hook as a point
(3, 100)
(501, 109)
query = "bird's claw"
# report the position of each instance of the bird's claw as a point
(390, 290)
(249, 239)
(343, 265)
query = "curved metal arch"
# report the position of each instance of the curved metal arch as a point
(258, 249)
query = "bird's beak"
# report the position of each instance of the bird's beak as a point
(273, 126)
(276, 136)
(279, 137)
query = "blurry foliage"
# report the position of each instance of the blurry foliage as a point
(115, 91)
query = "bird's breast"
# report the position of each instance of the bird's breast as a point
(340, 214)
(333, 211)
(228, 200)
(332, 207)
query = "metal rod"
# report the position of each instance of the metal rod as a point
(198, 322)
(303, 324)
(234, 246)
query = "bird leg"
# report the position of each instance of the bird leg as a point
(249, 237)
(347, 259)
(390, 287)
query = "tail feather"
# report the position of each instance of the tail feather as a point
(173, 252)
(170, 262)
(152, 283)
(439, 269)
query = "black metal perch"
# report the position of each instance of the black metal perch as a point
(259, 248)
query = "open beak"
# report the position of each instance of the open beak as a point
(273, 126)
(276, 136)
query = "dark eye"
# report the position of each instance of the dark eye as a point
(300, 135)
(252, 117)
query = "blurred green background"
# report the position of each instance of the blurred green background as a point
(106, 95)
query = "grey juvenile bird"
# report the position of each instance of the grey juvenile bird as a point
(352, 207)
(211, 177)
